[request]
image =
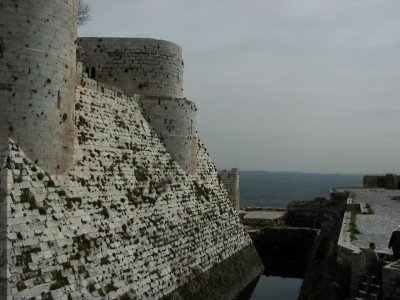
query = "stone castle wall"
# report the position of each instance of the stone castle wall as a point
(153, 68)
(388, 181)
(147, 67)
(175, 121)
(37, 79)
(350, 256)
(390, 281)
(230, 179)
(125, 219)
(92, 203)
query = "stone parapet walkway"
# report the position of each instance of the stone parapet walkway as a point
(264, 214)
(378, 226)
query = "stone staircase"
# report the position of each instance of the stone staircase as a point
(362, 291)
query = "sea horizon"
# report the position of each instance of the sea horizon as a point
(276, 189)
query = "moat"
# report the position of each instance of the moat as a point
(284, 268)
(273, 287)
(280, 280)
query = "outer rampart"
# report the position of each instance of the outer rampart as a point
(37, 78)
(147, 67)
(388, 181)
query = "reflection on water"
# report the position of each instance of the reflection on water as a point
(281, 280)
(276, 288)
(272, 288)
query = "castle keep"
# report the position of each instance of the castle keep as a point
(106, 188)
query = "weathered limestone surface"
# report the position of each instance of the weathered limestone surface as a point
(174, 120)
(271, 217)
(125, 219)
(376, 227)
(154, 69)
(142, 66)
(37, 79)
(96, 201)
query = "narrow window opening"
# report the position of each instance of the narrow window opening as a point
(58, 100)
(93, 73)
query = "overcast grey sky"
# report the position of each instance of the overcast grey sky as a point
(310, 86)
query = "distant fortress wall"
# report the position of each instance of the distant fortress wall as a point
(388, 181)
(142, 66)
(230, 179)
(38, 76)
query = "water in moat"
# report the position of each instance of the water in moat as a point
(281, 279)
(272, 287)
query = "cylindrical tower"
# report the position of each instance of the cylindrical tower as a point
(153, 68)
(175, 121)
(230, 179)
(37, 78)
(148, 67)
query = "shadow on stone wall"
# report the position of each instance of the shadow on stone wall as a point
(286, 252)
(225, 280)
(325, 278)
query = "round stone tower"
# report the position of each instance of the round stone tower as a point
(174, 120)
(138, 66)
(154, 69)
(38, 77)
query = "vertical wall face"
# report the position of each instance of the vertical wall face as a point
(138, 66)
(389, 181)
(174, 121)
(230, 179)
(37, 78)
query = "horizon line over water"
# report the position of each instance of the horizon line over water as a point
(276, 189)
(310, 173)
